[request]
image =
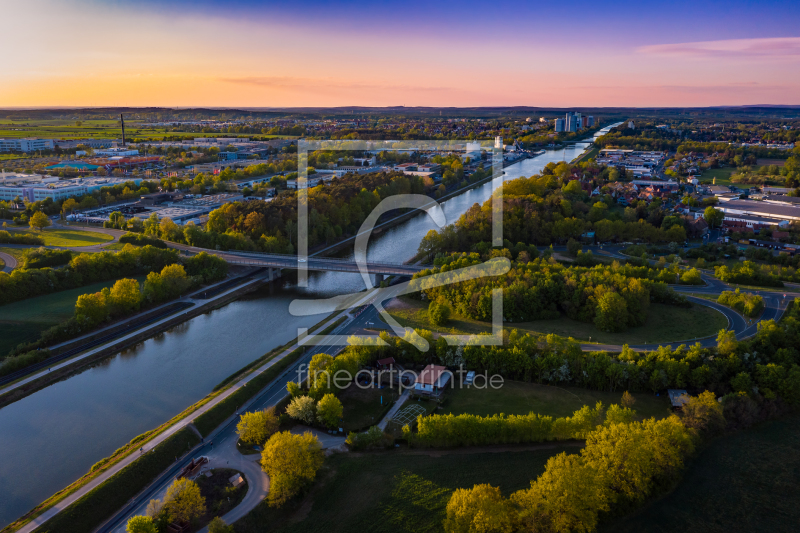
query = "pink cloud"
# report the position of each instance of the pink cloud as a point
(777, 47)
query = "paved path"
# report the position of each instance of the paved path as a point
(393, 411)
(10, 262)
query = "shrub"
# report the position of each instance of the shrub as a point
(137, 239)
(44, 257)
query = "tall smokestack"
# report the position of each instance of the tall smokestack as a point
(122, 121)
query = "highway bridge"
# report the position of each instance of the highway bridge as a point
(329, 264)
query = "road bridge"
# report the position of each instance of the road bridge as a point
(324, 264)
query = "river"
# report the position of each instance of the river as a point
(52, 437)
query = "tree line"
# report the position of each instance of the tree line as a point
(614, 297)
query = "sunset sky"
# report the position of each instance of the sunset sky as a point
(270, 54)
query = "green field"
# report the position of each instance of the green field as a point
(665, 323)
(396, 491)
(25, 320)
(107, 129)
(69, 237)
(723, 175)
(518, 398)
(744, 482)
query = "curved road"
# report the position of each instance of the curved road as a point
(9, 262)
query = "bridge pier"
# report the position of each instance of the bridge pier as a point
(378, 279)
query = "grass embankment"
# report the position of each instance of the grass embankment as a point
(742, 482)
(24, 321)
(665, 323)
(518, 398)
(98, 505)
(208, 421)
(68, 237)
(395, 492)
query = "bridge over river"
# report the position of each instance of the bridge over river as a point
(331, 264)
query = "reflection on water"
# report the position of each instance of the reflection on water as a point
(52, 437)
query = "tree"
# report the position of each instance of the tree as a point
(141, 524)
(438, 313)
(69, 205)
(567, 497)
(183, 501)
(726, 342)
(713, 216)
(742, 382)
(481, 509)
(302, 408)
(573, 247)
(291, 462)
(703, 413)
(612, 312)
(39, 221)
(218, 525)
(91, 308)
(294, 389)
(257, 426)
(125, 296)
(628, 400)
(329, 410)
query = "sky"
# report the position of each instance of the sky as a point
(244, 53)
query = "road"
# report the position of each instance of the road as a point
(9, 262)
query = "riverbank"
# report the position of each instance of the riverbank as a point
(63, 369)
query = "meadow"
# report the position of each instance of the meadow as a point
(68, 237)
(742, 482)
(519, 398)
(397, 491)
(25, 320)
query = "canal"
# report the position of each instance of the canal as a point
(52, 437)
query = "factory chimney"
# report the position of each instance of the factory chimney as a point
(122, 121)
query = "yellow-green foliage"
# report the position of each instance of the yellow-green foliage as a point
(472, 430)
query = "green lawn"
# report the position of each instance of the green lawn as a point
(70, 237)
(24, 321)
(518, 398)
(115, 247)
(744, 482)
(395, 491)
(363, 407)
(665, 323)
(723, 175)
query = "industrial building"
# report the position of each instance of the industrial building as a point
(30, 144)
(34, 188)
(736, 210)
